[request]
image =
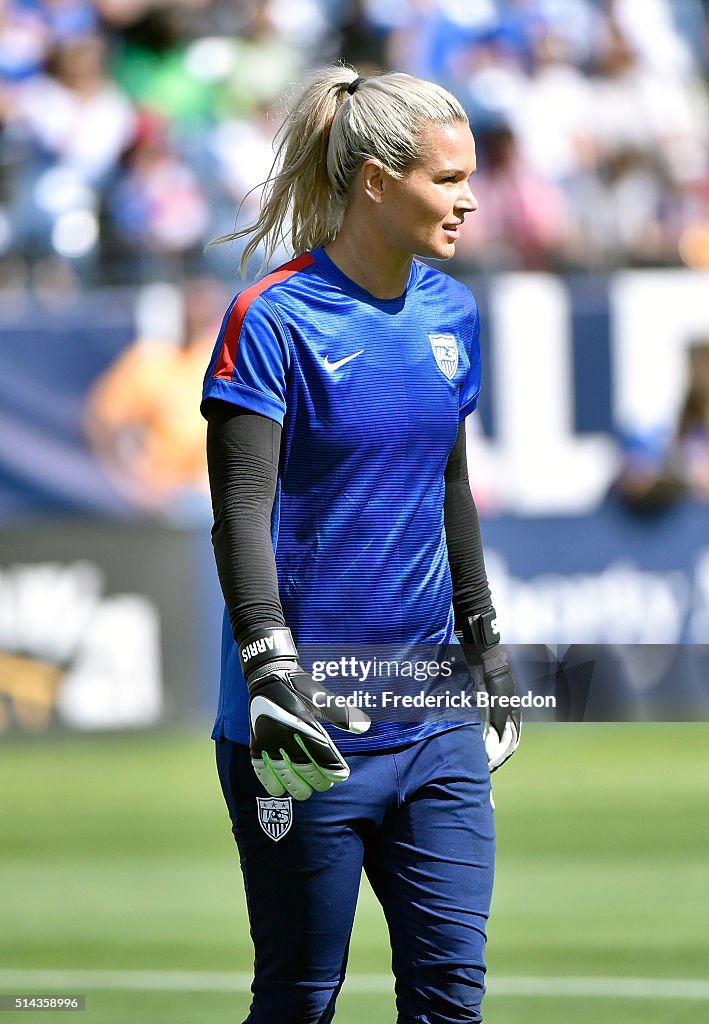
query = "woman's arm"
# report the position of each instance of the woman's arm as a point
(290, 750)
(475, 618)
(471, 593)
(243, 449)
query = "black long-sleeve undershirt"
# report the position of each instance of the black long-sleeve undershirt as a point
(243, 450)
(471, 593)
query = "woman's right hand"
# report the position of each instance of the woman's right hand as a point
(290, 750)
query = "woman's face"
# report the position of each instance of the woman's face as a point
(423, 211)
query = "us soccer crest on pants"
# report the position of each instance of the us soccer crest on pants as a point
(275, 815)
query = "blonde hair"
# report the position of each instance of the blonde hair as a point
(325, 139)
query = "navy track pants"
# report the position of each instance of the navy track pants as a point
(419, 820)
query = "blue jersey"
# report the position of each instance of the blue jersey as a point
(370, 393)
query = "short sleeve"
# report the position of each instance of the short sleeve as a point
(251, 359)
(471, 383)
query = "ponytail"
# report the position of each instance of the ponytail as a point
(324, 141)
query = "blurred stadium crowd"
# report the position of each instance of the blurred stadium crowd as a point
(132, 129)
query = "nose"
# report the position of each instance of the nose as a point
(467, 201)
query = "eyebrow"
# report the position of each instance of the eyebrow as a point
(456, 170)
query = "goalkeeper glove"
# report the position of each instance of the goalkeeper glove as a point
(503, 725)
(290, 750)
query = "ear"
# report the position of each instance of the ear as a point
(373, 177)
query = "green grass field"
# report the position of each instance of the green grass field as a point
(116, 856)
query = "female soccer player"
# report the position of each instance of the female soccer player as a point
(335, 401)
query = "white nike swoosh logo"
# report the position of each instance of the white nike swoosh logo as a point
(263, 706)
(331, 367)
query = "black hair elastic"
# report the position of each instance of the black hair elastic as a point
(354, 86)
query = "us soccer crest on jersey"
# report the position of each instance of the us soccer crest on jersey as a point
(275, 815)
(445, 349)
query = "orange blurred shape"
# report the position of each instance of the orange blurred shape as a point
(694, 246)
(28, 690)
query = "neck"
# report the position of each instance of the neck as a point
(370, 263)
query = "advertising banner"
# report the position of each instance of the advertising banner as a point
(99, 627)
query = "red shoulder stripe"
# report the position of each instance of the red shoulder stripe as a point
(224, 366)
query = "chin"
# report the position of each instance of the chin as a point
(436, 252)
(443, 255)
